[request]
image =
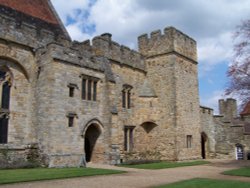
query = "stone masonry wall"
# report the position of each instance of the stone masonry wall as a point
(174, 76)
(22, 120)
(208, 127)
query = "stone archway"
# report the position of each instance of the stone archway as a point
(92, 133)
(203, 145)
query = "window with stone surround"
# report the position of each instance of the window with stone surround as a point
(5, 86)
(89, 88)
(71, 119)
(72, 88)
(126, 96)
(189, 141)
(128, 138)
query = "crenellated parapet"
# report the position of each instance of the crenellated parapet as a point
(171, 41)
(206, 110)
(104, 46)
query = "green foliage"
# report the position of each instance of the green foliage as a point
(24, 175)
(162, 165)
(206, 183)
(239, 172)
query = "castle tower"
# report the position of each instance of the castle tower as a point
(228, 108)
(171, 63)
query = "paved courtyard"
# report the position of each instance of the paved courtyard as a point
(138, 178)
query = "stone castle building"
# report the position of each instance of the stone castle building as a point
(64, 102)
(227, 135)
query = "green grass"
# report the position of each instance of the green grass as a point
(206, 183)
(24, 175)
(239, 172)
(162, 165)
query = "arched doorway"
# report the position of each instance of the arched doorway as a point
(203, 145)
(91, 136)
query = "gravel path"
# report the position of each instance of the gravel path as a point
(137, 178)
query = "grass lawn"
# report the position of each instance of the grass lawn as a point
(162, 165)
(24, 175)
(206, 183)
(239, 172)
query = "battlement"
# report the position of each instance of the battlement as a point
(172, 40)
(228, 108)
(104, 46)
(206, 110)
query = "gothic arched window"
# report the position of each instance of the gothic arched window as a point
(5, 85)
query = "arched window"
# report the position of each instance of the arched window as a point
(5, 85)
(126, 96)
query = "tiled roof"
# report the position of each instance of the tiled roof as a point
(246, 110)
(36, 8)
(39, 13)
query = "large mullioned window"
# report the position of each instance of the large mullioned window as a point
(89, 88)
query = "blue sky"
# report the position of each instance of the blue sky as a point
(211, 23)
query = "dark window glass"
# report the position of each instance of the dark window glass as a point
(71, 91)
(94, 90)
(84, 89)
(123, 98)
(71, 121)
(6, 95)
(89, 89)
(125, 139)
(4, 130)
(128, 99)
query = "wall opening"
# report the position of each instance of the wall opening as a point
(91, 136)
(203, 145)
(5, 86)
(239, 152)
(148, 126)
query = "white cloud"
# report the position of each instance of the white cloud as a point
(213, 51)
(76, 32)
(68, 8)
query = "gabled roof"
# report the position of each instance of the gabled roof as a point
(36, 12)
(246, 110)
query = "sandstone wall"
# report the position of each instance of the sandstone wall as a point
(208, 127)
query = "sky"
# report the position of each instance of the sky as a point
(210, 22)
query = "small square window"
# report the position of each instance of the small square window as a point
(189, 141)
(71, 121)
(71, 91)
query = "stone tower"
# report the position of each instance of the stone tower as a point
(171, 64)
(228, 108)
